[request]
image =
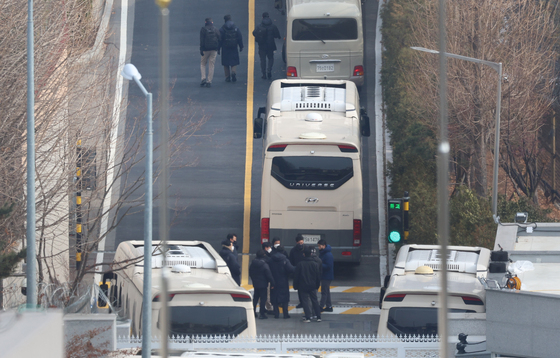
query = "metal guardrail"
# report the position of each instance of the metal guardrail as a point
(369, 345)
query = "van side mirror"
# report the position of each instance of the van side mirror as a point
(364, 123)
(258, 124)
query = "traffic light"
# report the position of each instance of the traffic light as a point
(395, 223)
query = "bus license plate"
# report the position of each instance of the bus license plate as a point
(311, 239)
(325, 67)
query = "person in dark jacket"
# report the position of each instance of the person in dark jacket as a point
(328, 275)
(276, 246)
(281, 269)
(233, 239)
(267, 248)
(231, 41)
(307, 279)
(265, 33)
(231, 260)
(261, 276)
(209, 49)
(296, 255)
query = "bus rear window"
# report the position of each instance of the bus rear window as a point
(416, 320)
(195, 320)
(322, 173)
(324, 29)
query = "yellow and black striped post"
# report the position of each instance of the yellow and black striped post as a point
(405, 215)
(79, 205)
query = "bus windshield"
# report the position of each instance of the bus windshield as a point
(308, 172)
(324, 29)
(196, 320)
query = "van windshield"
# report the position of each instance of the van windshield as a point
(324, 29)
(312, 172)
(416, 320)
(189, 320)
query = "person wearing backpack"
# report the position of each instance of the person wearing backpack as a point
(265, 33)
(231, 41)
(209, 49)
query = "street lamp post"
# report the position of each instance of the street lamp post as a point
(497, 66)
(131, 73)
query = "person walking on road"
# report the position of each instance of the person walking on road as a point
(209, 49)
(265, 33)
(231, 41)
(261, 277)
(281, 269)
(233, 239)
(267, 248)
(307, 279)
(327, 276)
(276, 246)
(231, 260)
(296, 255)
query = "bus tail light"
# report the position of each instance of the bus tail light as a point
(265, 230)
(170, 297)
(291, 72)
(348, 149)
(358, 71)
(239, 297)
(394, 298)
(468, 300)
(357, 233)
(276, 148)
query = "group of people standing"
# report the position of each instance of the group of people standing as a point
(229, 41)
(271, 270)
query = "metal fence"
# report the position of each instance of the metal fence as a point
(321, 345)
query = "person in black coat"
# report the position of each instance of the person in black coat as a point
(231, 40)
(281, 269)
(296, 255)
(307, 280)
(276, 246)
(233, 238)
(231, 260)
(261, 276)
(265, 33)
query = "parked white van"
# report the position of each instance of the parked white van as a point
(203, 297)
(312, 170)
(409, 300)
(324, 40)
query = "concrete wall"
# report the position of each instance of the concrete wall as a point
(523, 324)
(99, 330)
(31, 334)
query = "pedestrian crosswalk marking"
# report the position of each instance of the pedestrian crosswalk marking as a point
(356, 310)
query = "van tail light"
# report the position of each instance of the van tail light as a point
(358, 71)
(170, 297)
(265, 230)
(357, 233)
(239, 297)
(276, 148)
(472, 301)
(394, 298)
(291, 72)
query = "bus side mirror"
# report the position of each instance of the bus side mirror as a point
(364, 123)
(258, 124)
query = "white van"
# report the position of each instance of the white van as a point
(324, 40)
(203, 298)
(312, 172)
(409, 299)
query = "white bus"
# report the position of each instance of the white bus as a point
(409, 300)
(203, 298)
(324, 40)
(312, 173)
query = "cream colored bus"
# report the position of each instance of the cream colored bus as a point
(203, 297)
(324, 40)
(312, 172)
(409, 300)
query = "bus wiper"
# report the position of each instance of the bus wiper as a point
(312, 33)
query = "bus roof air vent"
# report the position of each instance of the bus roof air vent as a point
(315, 98)
(312, 135)
(313, 117)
